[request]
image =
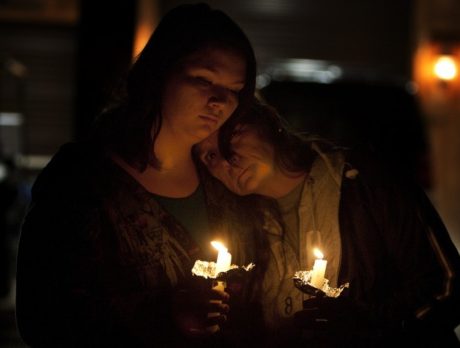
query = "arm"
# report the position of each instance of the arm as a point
(401, 264)
(70, 289)
(421, 264)
(439, 304)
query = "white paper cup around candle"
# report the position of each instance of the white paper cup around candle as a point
(319, 269)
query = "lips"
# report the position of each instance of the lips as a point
(210, 119)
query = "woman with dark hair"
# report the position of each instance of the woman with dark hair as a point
(117, 221)
(377, 230)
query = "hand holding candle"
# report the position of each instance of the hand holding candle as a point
(314, 283)
(211, 270)
(319, 269)
(224, 261)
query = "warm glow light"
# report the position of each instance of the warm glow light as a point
(147, 18)
(143, 33)
(445, 68)
(318, 254)
(224, 258)
(218, 245)
(319, 269)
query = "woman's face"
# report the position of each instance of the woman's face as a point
(250, 168)
(202, 94)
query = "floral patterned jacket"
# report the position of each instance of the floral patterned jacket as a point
(98, 258)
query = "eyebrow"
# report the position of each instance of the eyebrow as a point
(214, 70)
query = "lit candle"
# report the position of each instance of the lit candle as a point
(224, 258)
(319, 269)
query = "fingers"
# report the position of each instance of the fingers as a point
(201, 325)
(200, 311)
(215, 319)
(199, 299)
(217, 306)
(216, 294)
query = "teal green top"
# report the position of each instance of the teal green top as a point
(191, 213)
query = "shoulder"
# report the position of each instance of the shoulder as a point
(367, 166)
(68, 171)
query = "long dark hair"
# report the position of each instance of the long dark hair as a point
(230, 213)
(292, 149)
(125, 127)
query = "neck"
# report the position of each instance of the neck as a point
(174, 155)
(177, 176)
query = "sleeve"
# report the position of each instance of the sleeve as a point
(65, 296)
(443, 306)
(423, 260)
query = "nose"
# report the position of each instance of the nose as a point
(218, 97)
(219, 168)
(234, 160)
(220, 162)
(223, 163)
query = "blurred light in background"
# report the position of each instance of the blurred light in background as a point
(301, 70)
(445, 67)
(10, 119)
(436, 67)
(148, 15)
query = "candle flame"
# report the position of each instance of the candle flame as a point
(218, 245)
(318, 253)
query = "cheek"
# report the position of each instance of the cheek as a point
(255, 176)
(226, 177)
(218, 172)
(215, 172)
(171, 103)
(183, 95)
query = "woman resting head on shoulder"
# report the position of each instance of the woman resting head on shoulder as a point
(257, 153)
(378, 232)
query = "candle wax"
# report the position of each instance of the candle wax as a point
(224, 260)
(317, 277)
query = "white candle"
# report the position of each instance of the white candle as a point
(319, 269)
(224, 258)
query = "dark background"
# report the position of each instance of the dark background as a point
(60, 58)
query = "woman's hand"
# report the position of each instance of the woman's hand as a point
(196, 310)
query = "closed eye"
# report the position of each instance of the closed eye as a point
(237, 131)
(206, 83)
(235, 92)
(235, 134)
(203, 81)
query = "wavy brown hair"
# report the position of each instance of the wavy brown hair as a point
(292, 149)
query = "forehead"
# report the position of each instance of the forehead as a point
(210, 142)
(217, 59)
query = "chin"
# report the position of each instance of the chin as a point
(248, 188)
(242, 193)
(203, 134)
